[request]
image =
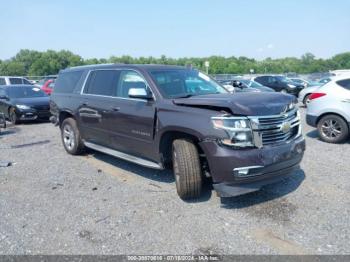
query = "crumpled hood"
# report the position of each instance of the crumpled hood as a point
(32, 101)
(246, 104)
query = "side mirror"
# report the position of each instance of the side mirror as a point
(140, 93)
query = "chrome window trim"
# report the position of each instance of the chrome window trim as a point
(116, 97)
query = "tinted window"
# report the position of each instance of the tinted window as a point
(67, 81)
(130, 79)
(16, 81)
(344, 83)
(25, 91)
(2, 82)
(261, 79)
(102, 82)
(26, 82)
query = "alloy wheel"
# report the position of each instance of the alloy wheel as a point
(68, 137)
(331, 129)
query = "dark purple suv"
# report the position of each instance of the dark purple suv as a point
(173, 117)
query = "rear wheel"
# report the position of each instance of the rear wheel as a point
(187, 169)
(71, 138)
(13, 116)
(333, 129)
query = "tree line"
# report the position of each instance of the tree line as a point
(34, 63)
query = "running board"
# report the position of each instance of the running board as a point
(124, 156)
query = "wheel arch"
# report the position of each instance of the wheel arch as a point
(167, 138)
(331, 113)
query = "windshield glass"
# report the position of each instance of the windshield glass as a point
(251, 84)
(182, 83)
(25, 92)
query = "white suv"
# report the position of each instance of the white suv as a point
(13, 80)
(329, 110)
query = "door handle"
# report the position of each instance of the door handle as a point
(116, 108)
(85, 104)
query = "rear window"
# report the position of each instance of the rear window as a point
(102, 82)
(344, 83)
(67, 81)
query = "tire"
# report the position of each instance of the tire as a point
(333, 129)
(306, 99)
(284, 91)
(71, 138)
(13, 116)
(187, 169)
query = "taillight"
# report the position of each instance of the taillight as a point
(316, 95)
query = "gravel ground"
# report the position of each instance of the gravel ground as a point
(54, 203)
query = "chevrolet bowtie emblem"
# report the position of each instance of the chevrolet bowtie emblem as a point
(285, 128)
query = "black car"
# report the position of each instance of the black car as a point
(280, 84)
(24, 103)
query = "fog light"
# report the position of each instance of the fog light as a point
(245, 171)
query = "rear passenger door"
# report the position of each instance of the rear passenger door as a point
(98, 105)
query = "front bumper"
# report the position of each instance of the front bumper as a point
(33, 114)
(268, 165)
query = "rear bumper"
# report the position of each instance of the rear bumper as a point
(263, 166)
(311, 120)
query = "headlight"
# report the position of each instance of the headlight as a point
(291, 86)
(238, 130)
(24, 107)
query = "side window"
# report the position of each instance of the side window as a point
(67, 81)
(262, 79)
(102, 82)
(130, 79)
(344, 83)
(16, 81)
(2, 81)
(26, 82)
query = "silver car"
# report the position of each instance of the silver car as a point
(329, 110)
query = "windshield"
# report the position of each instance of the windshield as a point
(185, 83)
(251, 83)
(25, 92)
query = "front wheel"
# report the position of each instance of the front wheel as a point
(71, 139)
(13, 116)
(333, 129)
(187, 169)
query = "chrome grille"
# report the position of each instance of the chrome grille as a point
(269, 130)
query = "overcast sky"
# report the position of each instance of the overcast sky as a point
(176, 28)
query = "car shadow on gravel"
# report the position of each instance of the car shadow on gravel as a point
(267, 193)
(162, 176)
(313, 134)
